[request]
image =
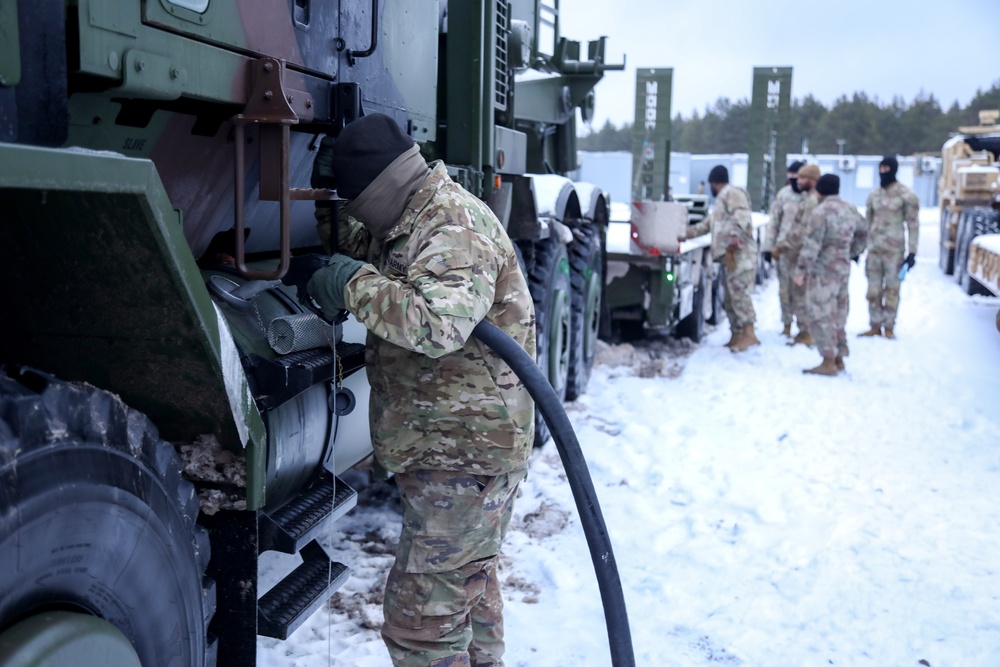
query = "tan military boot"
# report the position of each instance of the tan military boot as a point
(746, 339)
(734, 335)
(876, 330)
(839, 361)
(787, 331)
(803, 337)
(828, 367)
(889, 333)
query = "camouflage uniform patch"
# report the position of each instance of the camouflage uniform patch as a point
(442, 601)
(834, 233)
(894, 230)
(731, 227)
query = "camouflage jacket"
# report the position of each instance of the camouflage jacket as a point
(789, 238)
(783, 211)
(440, 399)
(889, 211)
(834, 233)
(729, 222)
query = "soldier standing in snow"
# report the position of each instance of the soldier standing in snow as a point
(892, 208)
(733, 243)
(788, 244)
(834, 233)
(448, 417)
(783, 211)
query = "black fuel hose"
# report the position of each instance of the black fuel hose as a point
(615, 614)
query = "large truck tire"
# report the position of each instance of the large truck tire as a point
(549, 281)
(693, 326)
(979, 221)
(586, 277)
(985, 221)
(96, 520)
(946, 254)
(962, 244)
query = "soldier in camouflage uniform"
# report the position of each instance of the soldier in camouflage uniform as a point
(834, 233)
(892, 208)
(448, 417)
(784, 208)
(788, 244)
(733, 243)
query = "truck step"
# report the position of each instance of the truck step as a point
(294, 599)
(306, 516)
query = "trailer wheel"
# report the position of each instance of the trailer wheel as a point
(962, 244)
(96, 523)
(946, 255)
(550, 289)
(718, 315)
(693, 326)
(586, 277)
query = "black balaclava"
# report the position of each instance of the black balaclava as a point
(889, 177)
(793, 180)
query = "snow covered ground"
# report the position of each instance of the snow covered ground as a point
(759, 516)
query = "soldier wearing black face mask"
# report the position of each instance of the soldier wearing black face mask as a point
(893, 231)
(784, 210)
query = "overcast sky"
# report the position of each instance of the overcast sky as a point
(881, 47)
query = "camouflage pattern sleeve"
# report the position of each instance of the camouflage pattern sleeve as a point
(870, 208)
(860, 240)
(812, 241)
(774, 225)
(699, 228)
(911, 216)
(352, 238)
(432, 308)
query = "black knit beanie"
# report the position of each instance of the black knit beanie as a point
(794, 167)
(363, 150)
(719, 174)
(828, 184)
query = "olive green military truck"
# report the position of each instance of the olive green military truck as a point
(168, 410)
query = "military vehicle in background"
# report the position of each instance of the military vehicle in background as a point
(154, 181)
(984, 265)
(654, 283)
(969, 195)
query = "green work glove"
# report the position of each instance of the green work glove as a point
(327, 285)
(322, 173)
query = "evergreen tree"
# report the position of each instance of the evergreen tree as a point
(867, 126)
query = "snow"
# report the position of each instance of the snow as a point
(758, 516)
(990, 242)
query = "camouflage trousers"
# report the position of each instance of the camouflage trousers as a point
(443, 605)
(784, 269)
(827, 304)
(793, 297)
(882, 269)
(739, 283)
